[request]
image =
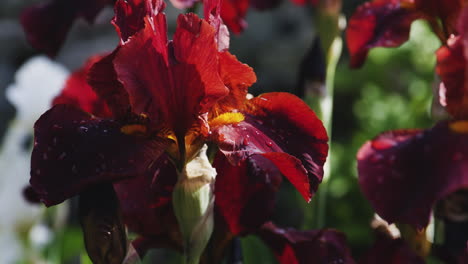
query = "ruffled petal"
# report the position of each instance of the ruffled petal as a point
(78, 93)
(177, 82)
(245, 194)
(212, 13)
(304, 247)
(130, 16)
(283, 129)
(146, 204)
(46, 24)
(379, 23)
(74, 150)
(238, 77)
(451, 67)
(403, 173)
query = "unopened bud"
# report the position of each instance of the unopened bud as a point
(193, 202)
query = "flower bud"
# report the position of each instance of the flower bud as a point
(193, 202)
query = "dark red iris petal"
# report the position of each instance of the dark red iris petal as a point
(78, 93)
(451, 67)
(403, 173)
(103, 80)
(387, 250)
(73, 150)
(147, 208)
(46, 24)
(129, 15)
(238, 77)
(173, 83)
(245, 194)
(286, 131)
(380, 23)
(233, 13)
(303, 247)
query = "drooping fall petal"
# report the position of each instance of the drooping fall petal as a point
(283, 129)
(73, 151)
(47, 23)
(303, 247)
(379, 23)
(78, 93)
(387, 250)
(147, 208)
(245, 194)
(403, 173)
(178, 81)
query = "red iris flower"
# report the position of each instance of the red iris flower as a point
(386, 23)
(151, 105)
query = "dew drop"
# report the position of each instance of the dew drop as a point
(83, 129)
(269, 143)
(245, 141)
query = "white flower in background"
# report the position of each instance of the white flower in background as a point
(37, 82)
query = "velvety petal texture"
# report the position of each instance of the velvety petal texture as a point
(146, 204)
(47, 23)
(292, 246)
(452, 68)
(245, 194)
(74, 150)
(403, 173)
(173, 83)
(378, 23)
(78, 93)
(283, 129)
(387, 250)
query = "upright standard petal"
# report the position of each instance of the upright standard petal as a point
(178, 81)
(233, 13)
(283, 129)
(78, 93)
(379, 23)
(74, 150)
(245, 194)
(46, 24)
(303, 247)
(403, 173)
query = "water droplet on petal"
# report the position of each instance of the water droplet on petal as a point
(269, 143)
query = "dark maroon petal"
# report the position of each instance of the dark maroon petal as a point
(245, 194)
(403, 173)
(283, 129)
(73, 151)
(78, 93)
(379, 23)
(103, 80)
(387, 250)
(233, 13)
(176, 83)
(146, 204)
(47, 23)
(304, 247)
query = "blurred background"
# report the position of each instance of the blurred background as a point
(392, 91)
